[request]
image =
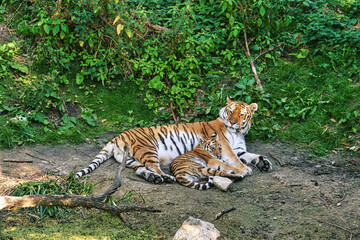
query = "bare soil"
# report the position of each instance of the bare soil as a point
(304, 198)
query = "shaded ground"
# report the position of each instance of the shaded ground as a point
(306, 198)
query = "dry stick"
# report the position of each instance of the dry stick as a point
(18, 161)
(278, 160)
(227, 210)
(172, 112)
(43, 159)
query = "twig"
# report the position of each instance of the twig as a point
(278, 160)
(227, 210)
(43, 159)
(65, 107)
(172, 112)
(269, 50)
(334, 225)
(82, 213)
(18, 161)
(123, 218)
(348, 229)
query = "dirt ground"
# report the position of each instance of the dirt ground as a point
(305, 198)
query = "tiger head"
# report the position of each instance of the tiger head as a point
(211, 144)
(236, 115)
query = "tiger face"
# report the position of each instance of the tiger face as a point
(211, 145)
(237, 115)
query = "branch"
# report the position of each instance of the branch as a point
(158, 28)
(252, 65)
(172, 112)
(217, 216)
(117, 182)
(269, 50)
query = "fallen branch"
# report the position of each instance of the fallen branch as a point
(227, 210)
(13, 203)
(70, 201)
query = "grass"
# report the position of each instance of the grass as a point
(312, 106)
(94, 226)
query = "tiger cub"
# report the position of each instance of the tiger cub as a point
(195, 169)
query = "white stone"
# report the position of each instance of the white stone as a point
(196, 229)
(222, 183)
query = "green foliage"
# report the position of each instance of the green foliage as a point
(69, 185)
(184, 56)
(328, 26)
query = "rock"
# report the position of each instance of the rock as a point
(222, 183)
(196, 229)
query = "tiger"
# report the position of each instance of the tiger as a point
(201, 164)
(151, 149)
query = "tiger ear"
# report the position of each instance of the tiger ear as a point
(253, 107)
(201, 140)
(229, 99)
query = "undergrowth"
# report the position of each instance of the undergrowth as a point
(73, 69)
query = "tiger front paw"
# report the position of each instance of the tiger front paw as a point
(154, 177)
(245, 170)
(264, 164)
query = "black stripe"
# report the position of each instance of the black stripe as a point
(162, 140)
(178, 150)
(240, 154)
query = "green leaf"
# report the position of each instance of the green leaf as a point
(64, 27)
(156, 83)
(128, 32)
(231, 20)
(56, 29)
(262, 11)
(79, 78)
(18, 66)
(39, 117)
(224, 7)
(47, 28)
(87, 116)
(62, 35)
(91, 42)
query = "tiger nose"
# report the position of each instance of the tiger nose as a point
(232, 122)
